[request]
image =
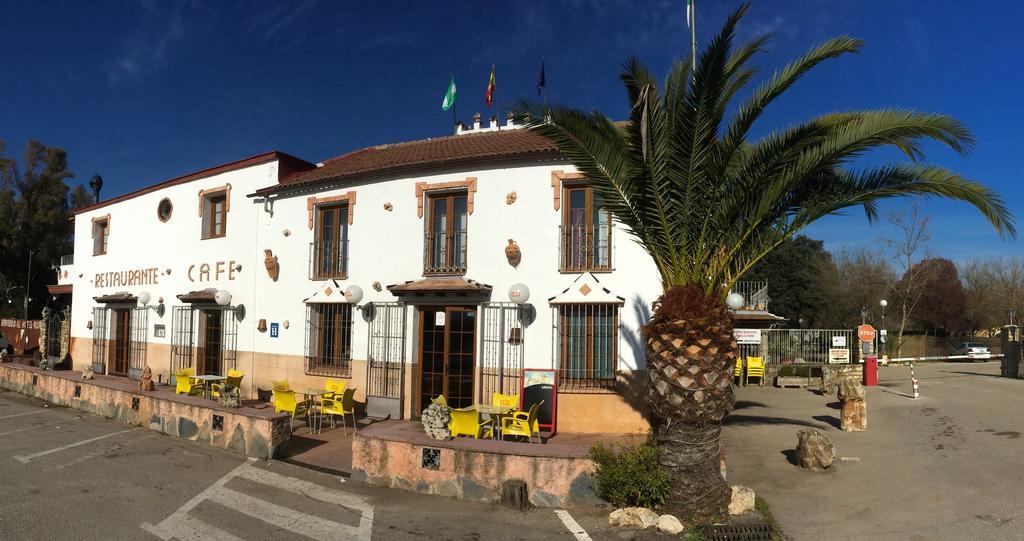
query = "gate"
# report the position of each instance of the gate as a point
(185, 329)
(139, 332)
(100, 322)
(54, 335)
(385, 359)
(501, 349)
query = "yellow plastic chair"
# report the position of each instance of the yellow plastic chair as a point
(522, 424)
(755, 369)
(468, 423)
(738, 372)
(234, 380)
(284, 401)
(282, 385)
(440, 400)
(186, 384)
(343, 406)
(336, 388)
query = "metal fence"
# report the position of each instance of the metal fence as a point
(806, 346)
(585, 346)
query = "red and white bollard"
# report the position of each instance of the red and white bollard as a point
(913, 381)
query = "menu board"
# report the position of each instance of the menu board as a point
(540, 386)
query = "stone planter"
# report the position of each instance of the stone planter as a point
(791, 381)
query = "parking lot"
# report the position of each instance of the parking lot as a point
(947, 465)
(64, 474)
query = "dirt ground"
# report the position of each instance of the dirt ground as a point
(945, 466)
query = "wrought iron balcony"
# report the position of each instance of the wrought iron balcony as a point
(585, 248)
(328, 260)
(445, 252)
(755, 295)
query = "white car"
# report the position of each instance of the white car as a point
(973, 351)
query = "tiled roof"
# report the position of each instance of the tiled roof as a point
(425, 154)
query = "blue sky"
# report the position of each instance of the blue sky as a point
(144, 91)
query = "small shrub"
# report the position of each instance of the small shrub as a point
(630, 476)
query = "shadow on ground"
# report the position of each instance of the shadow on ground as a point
(830, 419)
(751, 420)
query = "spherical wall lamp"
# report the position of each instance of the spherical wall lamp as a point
(222, 297)
(144, 298)
(734, 301)
(519, 293)
(353, 294)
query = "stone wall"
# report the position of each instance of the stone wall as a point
(472, 474)
(258, 434)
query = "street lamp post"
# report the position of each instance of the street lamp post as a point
(28, 284)
(1011, 312)
(863, 315)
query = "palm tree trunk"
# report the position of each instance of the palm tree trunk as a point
(691, 353)
(691, 455)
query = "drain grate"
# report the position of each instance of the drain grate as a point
(738, 532)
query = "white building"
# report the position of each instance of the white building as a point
(422, 229)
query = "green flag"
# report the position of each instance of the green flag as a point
(449, 97)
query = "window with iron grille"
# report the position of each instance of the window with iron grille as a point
(586, 346)
(445, 238)
(328, 256)
(586, 233)
(329, 339)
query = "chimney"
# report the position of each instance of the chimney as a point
(476, 121)
(509, 120)
(458, 127)
(494, 122)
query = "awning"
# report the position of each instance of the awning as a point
(119, 297)
(201, 296)
(59, 289)
(586, 289)
(458, 286)
(328, 292)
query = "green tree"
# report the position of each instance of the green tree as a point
(707, 204)
(80, 197)
(794, 274)
(34, 204)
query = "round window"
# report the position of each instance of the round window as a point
(163, 210)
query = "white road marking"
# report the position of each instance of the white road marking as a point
(181, 525)
(574, 527)
(27, 428)
(91, 456)
(23, 414)
(29, 458)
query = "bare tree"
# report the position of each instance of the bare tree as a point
(983, 294)
(854, 278)
(908, 247)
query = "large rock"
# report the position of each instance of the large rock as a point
(854, 416)
(670, 525)
(633, 517)
(814, 451)
(742, 500)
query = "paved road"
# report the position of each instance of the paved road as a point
(74, 476)
(949, 465)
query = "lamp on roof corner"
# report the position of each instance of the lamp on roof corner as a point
(222, 297)
(734, 301)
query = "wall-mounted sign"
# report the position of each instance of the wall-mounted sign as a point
(747, 336)
(275, 330)
(839, 341)
(139, 277)
(159, 330)
(203, 271)
(839, 355)
(439, 319)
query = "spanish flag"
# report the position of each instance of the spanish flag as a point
(491, 88)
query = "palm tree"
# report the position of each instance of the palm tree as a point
(707, 203)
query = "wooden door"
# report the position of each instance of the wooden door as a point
(211, 350)
(447, 346)
(121, 352)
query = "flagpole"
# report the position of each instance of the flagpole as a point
(693, 35)
(544, 88)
